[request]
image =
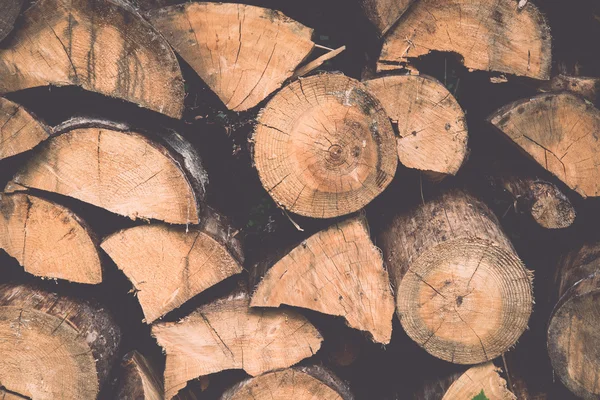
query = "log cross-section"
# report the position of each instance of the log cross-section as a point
(19, 130)
(481, 379)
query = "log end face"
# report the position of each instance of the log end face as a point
(484, 378)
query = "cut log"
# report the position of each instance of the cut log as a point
(243, 53)
(47, 239)
(490, 35)
(559, 131)
(54, 347)
(462, 293)
(324, 146)
(383, 14)
(481, 379)
(19, 130)
(337, 271)
(9, 11)
(139, 379)
(573, 336)
(168, 265)
(227, 334)
(301, 383)
(120, 170)
(429, 120)
(102, 46)
(586, 87)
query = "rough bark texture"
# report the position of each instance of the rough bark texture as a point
(47, 239)
(242, 52)
(112, 167)
(19, 130)
(484, 378)
(430, 122)
(101, 45)
(337, 271)
(54, 347)
(490, 35)
(227, 334)
(9, 11)
(560, 132)
(585, 86)
(462, 293)
(383, 14)
(139, 379)
(324, 146)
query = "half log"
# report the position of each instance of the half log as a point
(242, 52)
(102, 46)
(490, 35)
(54, 347)
(430, 122)
(383, 14)
(19, 129)
(47, 239)
(462, 293)
(324, 146)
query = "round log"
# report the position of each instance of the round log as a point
(383, 14)
(19, 129)
(324, 146)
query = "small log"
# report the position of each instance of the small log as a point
(19, 129)
(168, 265)
(559, 132)
(481, 379)
(489, 35)
(112, 167)
(383, 14)
(430, 122)
(337, 271)
(102, 46)
(139, 379)
(301, 383)
(573, 336)
(242, 52)
(227, 334)
(47, 239)
(324, 146)
(585, 86)
(462, 292)
(54, 347)
(9, 11)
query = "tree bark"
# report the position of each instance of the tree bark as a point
(9, 11)
(139, 379)
(585, 86)
(19, 129)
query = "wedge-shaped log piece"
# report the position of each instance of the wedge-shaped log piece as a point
(462, 293)
(102, 46)
(243, 53)
(490, 35)
(337, 271)
(300, 383)
(47, 239)
(168, 265)
(121, 171)
(384, 13)
(560, 132)
(19, 130)
(138, 379)
(227, 334)
(431, 123)
(484, 378)
(324, 146)
(9, 11)
(54, 347)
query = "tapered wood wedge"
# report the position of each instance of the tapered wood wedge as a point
(384, 13)
(19, 130)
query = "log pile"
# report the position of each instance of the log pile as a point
(298, 200)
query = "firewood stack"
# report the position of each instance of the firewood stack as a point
(304, 200)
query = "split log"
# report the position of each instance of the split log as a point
(430, 122)
(47, 239)
(243, 53)
(227, 334)
(586, 87)
(9, 12)
(112, 167)
(102, 46)
(19, 129)
(573, 336)
(490, 35)
(559, 131)
(139, 379)
(301, 383)
(383, 14)
(481, 379)
(168, 265)
(337, 271)
(324, 146)
(54, 347)
(462, 293)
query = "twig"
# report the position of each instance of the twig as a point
(317, 62)
(292, 221)
(510, 385)
(320, 46)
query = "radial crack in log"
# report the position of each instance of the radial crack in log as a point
(54, 347)
(242, 52)
(121, 171)
(139, 379)
(384, 13)
(19, 130)
(430, 122)
(462, 294)
(9, 11)
(560, 132)
(102, 46)
(169, 265)
(337, 271)
(47, 239)
(484, 378)
(227, 334)
(324, 146)
(490, 35)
